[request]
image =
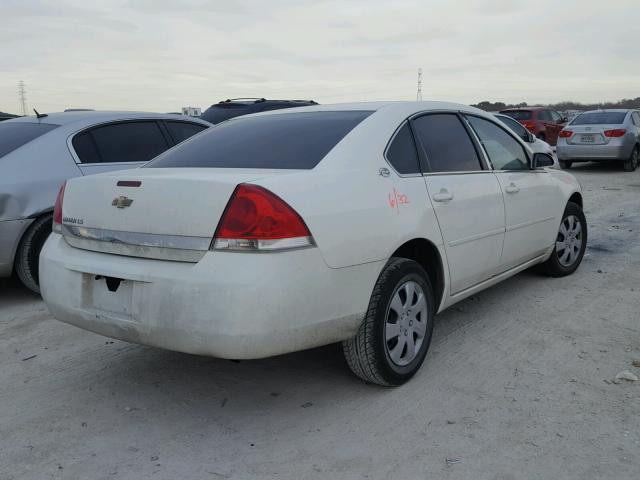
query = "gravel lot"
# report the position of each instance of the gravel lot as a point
(516, 385)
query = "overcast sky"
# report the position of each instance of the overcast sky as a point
(160, 55)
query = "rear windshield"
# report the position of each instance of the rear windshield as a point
(518, 114)
(15, 134)
(599, 118)
(286, 140)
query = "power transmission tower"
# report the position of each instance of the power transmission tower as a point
(22, 93)
(419, 92)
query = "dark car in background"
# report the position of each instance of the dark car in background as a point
(543, 122)
(6, 116)
(234, 107)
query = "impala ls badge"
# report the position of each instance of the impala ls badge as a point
(121, 202)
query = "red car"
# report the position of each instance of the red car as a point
(542, 122)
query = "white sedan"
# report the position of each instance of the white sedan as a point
(536, 144)
(292, 229)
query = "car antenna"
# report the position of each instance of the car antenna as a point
(40, 115)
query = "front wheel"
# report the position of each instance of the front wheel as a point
(394, 337)
(632, 163)
(571, 243)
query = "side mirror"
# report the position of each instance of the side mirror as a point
(531, 138)
(542, 160)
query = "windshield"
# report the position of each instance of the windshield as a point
(599, 118)
(518, 114)
(15, 134)
(287, 140)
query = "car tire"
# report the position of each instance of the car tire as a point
(28, 254)
(565, 164)
(570, 245)
(375, 354)
(632, 163)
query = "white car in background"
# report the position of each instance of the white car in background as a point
(292, 229)
(536, 144)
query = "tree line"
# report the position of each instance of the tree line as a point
(562, 106)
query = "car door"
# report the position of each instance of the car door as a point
(465, 196)
(118, 145)
(531, 198)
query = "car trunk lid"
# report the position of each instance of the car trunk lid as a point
(590, 134)
(156, 213)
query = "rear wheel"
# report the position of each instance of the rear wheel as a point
(28, 254)
(565, 164)
(632, 163)
(394, 337)
(570, 245)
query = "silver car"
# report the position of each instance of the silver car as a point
(37, 154)
(601, 135)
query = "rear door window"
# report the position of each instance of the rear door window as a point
(122, 142)
(401, 153)
(446, 143)
(504, 151)
(282, 141)
(180, 131)
(16, 134)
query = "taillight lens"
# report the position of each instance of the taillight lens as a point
(565, 133)
(256, 219)
(618, 132)
(57, 210)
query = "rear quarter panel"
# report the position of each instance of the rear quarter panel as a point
(355, 214)
(32, 175)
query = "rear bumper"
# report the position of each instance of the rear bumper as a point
(228, 305)
(10, 234)
(593, 152)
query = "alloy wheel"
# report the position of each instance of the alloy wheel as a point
(569, 241)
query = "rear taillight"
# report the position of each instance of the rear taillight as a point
(258, 220)
(618, 132)
(565, 133)
(57, 210)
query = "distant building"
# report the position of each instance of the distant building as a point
(192, 111)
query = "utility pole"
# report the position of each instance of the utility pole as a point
(419, 92)
(22, 94)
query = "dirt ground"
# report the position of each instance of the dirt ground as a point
(517, 385)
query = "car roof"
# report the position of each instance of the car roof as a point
(525, 109)
(258, 101)
(611, 110)
(406, 108)
(89, 117)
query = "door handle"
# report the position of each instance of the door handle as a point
(443, 196)
(512, 188)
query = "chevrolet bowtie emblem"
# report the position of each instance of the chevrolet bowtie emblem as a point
(121, 202)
